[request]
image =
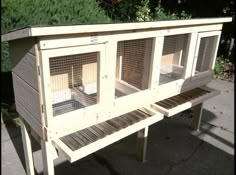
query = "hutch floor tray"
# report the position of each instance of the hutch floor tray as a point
(81, 143)
(185, 100)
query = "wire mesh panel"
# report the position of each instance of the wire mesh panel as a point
(173, 58)
(206, 54)
(73, 82)
(133, 66)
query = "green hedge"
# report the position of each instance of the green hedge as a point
(21, 13)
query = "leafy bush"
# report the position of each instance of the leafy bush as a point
(162, 14)
(138, 10)
(224, 69)
(219, 68)
(21, 13)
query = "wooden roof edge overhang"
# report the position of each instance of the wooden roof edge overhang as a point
(93, 28)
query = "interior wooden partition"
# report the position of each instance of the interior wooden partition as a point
(82, 87)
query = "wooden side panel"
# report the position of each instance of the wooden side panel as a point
(167, 59)
(89, 73)
(27, 96)
(29, 118)
(22, 53)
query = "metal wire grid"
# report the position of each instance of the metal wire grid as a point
(73, 82)
(173, 58)
(205, 54)
(136, 59)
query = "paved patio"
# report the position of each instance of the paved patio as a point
(173, 148)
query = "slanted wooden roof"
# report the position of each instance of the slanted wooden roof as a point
(79, 29)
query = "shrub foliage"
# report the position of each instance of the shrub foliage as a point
(21, 13)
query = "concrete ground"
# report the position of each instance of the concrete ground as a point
(173, 148)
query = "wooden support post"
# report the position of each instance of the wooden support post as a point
(27, 149)
(142, 144)
(197, 116)
(47, 156)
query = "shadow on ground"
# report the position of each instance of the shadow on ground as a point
(172, 150)
(208, 128)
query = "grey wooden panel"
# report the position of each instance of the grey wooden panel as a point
(29, 118)
(23, 59)
(27, 96)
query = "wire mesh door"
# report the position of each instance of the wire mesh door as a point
(174, 58)
(74, 78)
(133, 75)
(133, 65)
(205, 55)
(73, 82)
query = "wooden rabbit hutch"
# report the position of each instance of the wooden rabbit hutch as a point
(83, 87)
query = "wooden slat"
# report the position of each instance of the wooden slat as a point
(126, 119)
(134, 117)
(76, 141)
(184, 97)
(108, 127)
(95, 132)
(27, 96)
(104, 130)
(165, 104)
(184, 100)
(80, 137)
(86, 136)
(29, 118)
(115, 124)
(179, 99)
(98, 131)
(23, 60)
(105, 141)
(121, 122)
(68, 143)
(171, 102)
(139, 115)
(91, 134)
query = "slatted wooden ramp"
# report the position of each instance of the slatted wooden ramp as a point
(84, 142)
(185, 100)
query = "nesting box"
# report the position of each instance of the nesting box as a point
(83, 87)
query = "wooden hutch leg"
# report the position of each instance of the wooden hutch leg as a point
(142, 144)
(27, 149)
(197, 116)
(47, 157)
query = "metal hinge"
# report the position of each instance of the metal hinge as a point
(39, 70)
(42, 108)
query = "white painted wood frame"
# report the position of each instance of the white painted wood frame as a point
(140, 98)
(142, 137)
(27, 149)
(47, 156)
(214, 53)
(197, 117)
(61, 30)
(50, 42)
(86, 112)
